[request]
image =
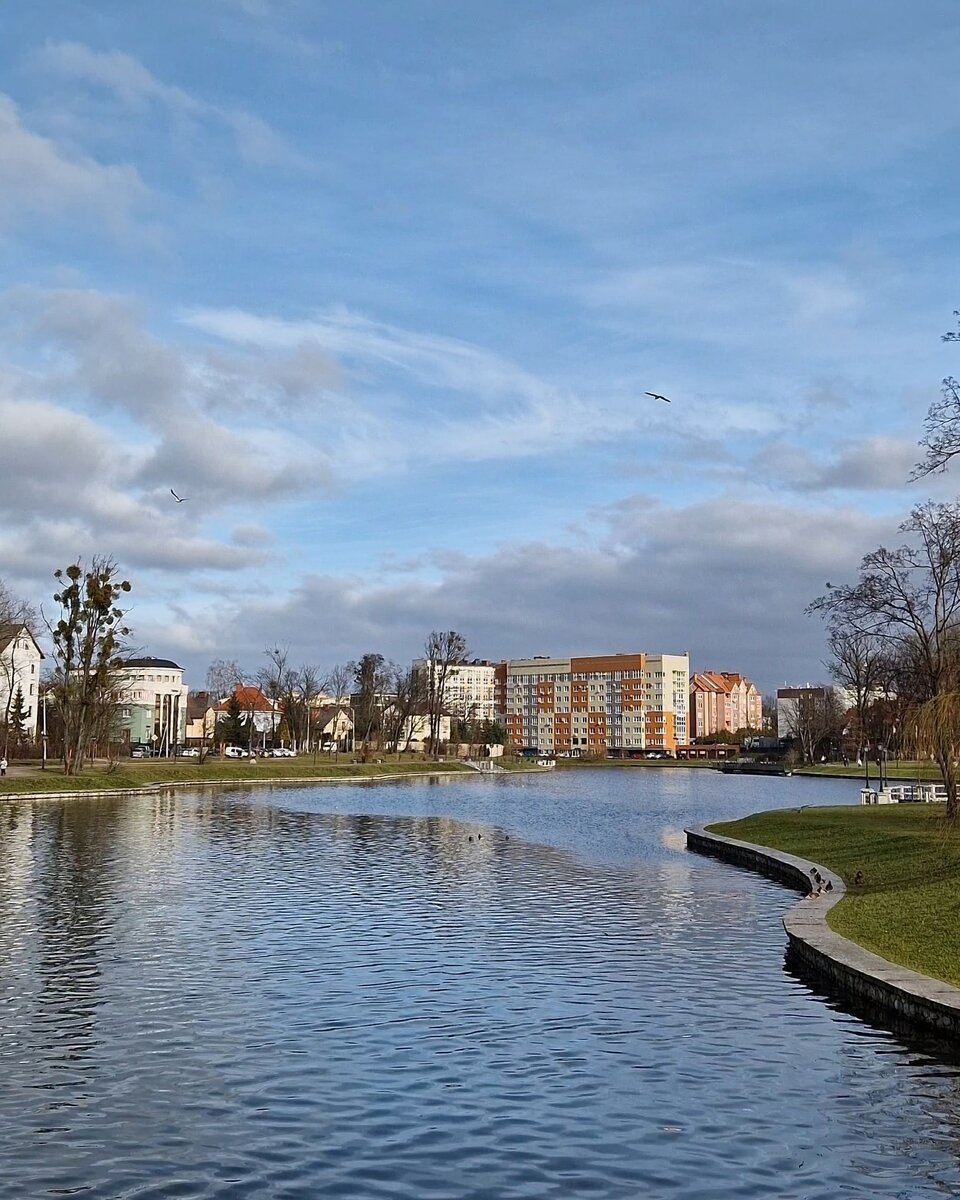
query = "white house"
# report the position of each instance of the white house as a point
(20, 659)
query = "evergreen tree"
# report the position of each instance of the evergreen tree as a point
(232, 729)
(18, 718)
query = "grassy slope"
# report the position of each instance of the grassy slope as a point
(134, 773)
(908, 909)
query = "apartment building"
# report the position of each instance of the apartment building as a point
(723, 701)
(609, 704)
(469, 689)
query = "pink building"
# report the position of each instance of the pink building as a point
(723, 700)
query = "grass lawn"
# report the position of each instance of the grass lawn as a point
(908, 909)
(908, 771)
(129, 773)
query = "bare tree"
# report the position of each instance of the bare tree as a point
(274, 680)
(908, 601)
(88, 644)
(857, 662)
(336, 683)
(941, 427)
(372, 679)
(407, 695)
(442, 649)
(815, 716)
(223, 677)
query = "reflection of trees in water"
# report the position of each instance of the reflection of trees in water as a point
(74, 877)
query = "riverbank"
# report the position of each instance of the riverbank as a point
(905, 909)
(133, 775)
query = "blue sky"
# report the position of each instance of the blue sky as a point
(381, 286)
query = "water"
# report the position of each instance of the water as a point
(512, 987)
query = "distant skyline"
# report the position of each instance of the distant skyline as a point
(381, 288)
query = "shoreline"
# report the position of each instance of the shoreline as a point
(241, 781)
(896, 991)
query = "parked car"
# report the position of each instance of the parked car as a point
(283, 752)
(190, 752)
(141, 750)
(234, 752)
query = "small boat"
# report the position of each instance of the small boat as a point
(754, 768)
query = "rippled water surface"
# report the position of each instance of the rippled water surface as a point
(472, 988)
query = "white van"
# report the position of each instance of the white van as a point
(234, 752)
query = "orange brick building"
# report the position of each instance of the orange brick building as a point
(723, 700)
(608, 704)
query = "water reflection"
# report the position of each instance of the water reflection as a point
(480, 989)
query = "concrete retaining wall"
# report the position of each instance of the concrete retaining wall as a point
(903, 995)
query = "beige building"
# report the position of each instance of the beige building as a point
(723, 701)
(609, 704)
(469, 689)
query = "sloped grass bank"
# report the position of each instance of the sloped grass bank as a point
(133, 774)
(908, 907)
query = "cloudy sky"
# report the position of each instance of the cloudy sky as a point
(380, 287)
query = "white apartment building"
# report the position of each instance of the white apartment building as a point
(469, 688)
(612, 704)
(153, 702)
(20, 659)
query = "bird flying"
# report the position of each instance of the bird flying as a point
(179, 499)
(657, 396)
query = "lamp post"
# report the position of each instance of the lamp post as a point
(43, 736)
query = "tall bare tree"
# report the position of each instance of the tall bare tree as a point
(88, 645)
(858, 664)
(407, 696)
(371, 677)
(814, 718)
(442, 650)
(908, 601)
(274, 680)
(337, 683)
(223, 677)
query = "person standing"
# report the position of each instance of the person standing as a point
(3, 765)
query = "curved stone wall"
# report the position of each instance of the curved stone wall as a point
(905, 995)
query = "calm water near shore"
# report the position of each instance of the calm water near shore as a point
(513, 987)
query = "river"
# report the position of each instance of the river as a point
(483, 988)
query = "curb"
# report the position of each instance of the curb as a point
(897, 991)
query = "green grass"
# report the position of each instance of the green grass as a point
(924, 771)
(908, 909)
(132, 773)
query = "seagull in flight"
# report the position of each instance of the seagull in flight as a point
(179, 499)
(657, 396)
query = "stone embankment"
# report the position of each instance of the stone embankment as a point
(898, 993)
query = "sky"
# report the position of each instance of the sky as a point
(380, 288)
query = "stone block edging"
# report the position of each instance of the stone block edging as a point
(906, 995)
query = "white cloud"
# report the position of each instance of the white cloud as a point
(726, 579)
(38, 177)
(134, 86)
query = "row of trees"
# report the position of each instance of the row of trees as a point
(90, 641)
(386, 699)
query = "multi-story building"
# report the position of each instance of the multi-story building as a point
(20, 659)
(468, 690)
(610, 704)
(791, 702)
(723, 701)
(153, 702)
